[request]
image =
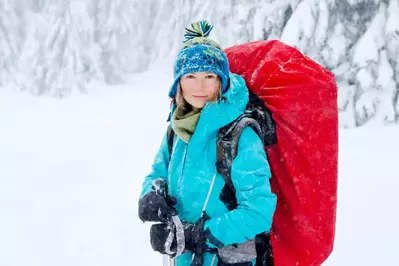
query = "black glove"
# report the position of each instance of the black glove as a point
(194, 239)
(157, 205)
(159, 234)
(155, 208)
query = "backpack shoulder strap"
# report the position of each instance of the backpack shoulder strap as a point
(260, 119)
(171, 136)
(227, 147)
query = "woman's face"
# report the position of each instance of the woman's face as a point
(198, 88)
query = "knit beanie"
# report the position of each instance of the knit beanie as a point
(200, 54)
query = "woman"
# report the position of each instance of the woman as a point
(206, 97)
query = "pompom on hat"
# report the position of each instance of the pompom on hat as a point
(200, 54)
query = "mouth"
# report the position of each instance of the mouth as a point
(200, 97)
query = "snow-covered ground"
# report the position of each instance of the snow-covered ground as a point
(71, 171)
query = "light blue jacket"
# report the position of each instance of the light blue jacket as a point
(191, 175)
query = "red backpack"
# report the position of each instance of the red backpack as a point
(302, 98)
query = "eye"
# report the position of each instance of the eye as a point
(210, 76)
(189, 76)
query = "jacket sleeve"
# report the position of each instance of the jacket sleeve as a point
(159, 167)
(250, 173)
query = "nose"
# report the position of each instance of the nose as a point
(202, 83)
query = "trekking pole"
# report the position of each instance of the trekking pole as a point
(174, 222)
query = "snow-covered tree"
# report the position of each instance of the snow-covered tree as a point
(64, 57)
(10, 41)
(70, 43)
(307, 28)
(140, 44)
(32, 61)
(165, 36)
(114, 34)
(268, 22)
(374, 74)
(392, 45)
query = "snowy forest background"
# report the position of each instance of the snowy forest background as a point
(56, 47)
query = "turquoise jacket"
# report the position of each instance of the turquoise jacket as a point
(194, 181)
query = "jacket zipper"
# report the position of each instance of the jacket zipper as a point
(184, 162)
(169, 175)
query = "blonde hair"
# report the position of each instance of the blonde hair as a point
(181, 103)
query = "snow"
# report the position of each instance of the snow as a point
(365, 78)
(385, 71)
(71, 172)
(367, 230)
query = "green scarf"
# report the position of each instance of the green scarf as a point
(184, 123)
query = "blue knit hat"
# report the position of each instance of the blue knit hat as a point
(200, 54)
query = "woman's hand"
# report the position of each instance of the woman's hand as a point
(157, 205)
(164, 239)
